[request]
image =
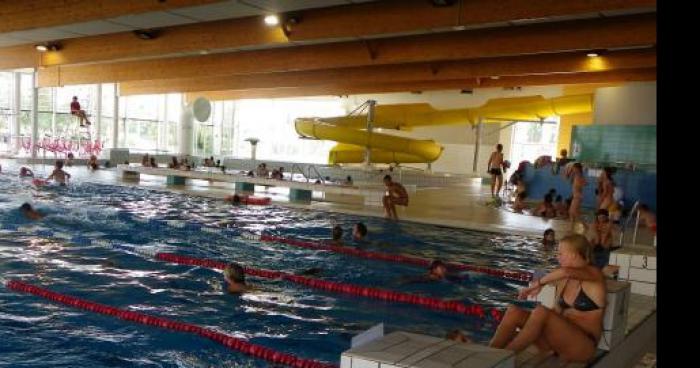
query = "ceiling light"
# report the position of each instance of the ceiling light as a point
(272, 20)
(48, 46)
(495, 77)
(441, 3)
(592, 54)
(147, 34)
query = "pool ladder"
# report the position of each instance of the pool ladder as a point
(625, 225)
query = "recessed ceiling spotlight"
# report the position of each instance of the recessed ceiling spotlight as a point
(592, 54)
(272, 20)
(441, 3)
(147, 34)
(48, 46)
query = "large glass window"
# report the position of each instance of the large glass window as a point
(272, 122)
(532, 140)
(6, 85)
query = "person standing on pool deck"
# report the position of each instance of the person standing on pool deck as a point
(395, 195)
(577, 184)
(573, 327)
(58, 174)
(495, 166)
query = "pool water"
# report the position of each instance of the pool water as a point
(309, 323)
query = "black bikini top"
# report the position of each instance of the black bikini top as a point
(582, 302)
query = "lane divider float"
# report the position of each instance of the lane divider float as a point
(399, 258)
(474, 310)
(233, 343)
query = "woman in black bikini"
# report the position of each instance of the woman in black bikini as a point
(572, 329)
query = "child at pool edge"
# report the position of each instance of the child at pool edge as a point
(58, 174)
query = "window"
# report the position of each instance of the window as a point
(532, 140)
(272, 122)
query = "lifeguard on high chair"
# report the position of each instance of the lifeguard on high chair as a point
(75, 110)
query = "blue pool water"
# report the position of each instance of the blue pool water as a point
(57, 253)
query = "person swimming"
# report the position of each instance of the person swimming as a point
(549, 239)
(337, 233)
(234, 275)
(458, 335)
(359, 232)
(437, 271)
(29, 212)
(25, 172)
(234, 199)
(58, 174)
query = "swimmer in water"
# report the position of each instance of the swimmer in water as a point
(234, 199)
(25, 172)
(437, 271)
(29, 212)
(457, 335)
(337, 234)
(58, 174)
(548, 240)
(234, 275)
(359, 232)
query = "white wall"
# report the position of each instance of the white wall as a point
(631, 104)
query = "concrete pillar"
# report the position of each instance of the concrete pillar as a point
(477, 145)
(370, 126)
(35, 114)
(14, 121)
(115, 119)
(98, 120)
(54, 105)
(185, 130)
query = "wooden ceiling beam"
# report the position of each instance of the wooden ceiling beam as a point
(611, 33)
(617, 76)
(452, 70)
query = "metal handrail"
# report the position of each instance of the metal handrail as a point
(625, 225)
(318, 174)
(300, 170)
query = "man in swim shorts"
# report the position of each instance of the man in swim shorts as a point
(495, 168)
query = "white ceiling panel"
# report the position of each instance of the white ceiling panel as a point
(95, 28)
(286, 5)
(152, 20)
(43, 34)
(217, 11)
(9, 41)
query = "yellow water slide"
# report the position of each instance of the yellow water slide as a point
(385, 148)
(347, 130)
